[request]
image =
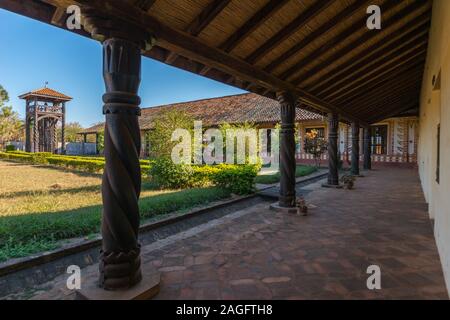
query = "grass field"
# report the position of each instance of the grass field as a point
(42, 206)
(275, 177)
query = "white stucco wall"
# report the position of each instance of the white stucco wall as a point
(434, 110)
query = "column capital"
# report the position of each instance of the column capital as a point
(102, 27)
(287, 104)
(333, 124)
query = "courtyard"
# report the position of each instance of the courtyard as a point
(255, 253)
(44, 207)
(361, 86)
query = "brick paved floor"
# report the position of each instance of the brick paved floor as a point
(258, 254)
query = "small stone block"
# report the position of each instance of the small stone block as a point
(144, 290)
(276, 207)
(335, 186)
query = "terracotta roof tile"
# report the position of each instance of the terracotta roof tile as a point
(248, 107)
(46, 92)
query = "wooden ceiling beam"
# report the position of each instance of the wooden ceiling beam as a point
(367, 36)
(411, 90)
(393, 86)
(207, 15)
(367, 68)
(414, 55)
(408, 106)
(290, 29)
(388, 107)
(395, 39)
(314, 35)
(392, 107)
(374, 84)
(144, 5)
(59, 16)
(193, 48)
(252, 24)
(386, 89)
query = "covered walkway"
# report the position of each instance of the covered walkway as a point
(260, 254)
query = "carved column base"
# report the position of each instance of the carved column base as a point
(334, 186)
(144, 290)
(276, 207)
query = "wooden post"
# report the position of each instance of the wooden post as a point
(287, 150)
(36, 128)
(333, 173)
(27, 127)
(63, 127)
(367, 151)
(96, 143)
(83, 146)
(355, 149)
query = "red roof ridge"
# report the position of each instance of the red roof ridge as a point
(199, 100)
(46, 92)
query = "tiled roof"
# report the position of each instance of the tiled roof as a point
(47, 93)
(248, 107)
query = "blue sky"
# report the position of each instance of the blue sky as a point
(33, 52)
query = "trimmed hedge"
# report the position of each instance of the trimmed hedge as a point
(88, 164)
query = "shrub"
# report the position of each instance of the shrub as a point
(238, 179)
(167, 174)
(40, 157)
(10, 147)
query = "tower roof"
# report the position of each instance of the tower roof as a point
(46, 93)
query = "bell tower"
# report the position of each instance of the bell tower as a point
(44, 109)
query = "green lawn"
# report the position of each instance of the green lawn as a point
(41, 207)
(300, 171)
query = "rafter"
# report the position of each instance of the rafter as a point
(144, 5)
(207, 15)
(350, 31)
(408, 106)
(338, 96)
(404, 100)
(391, 87)
(252, 24)
(287, 31)
(342, 16)
(372, 52)
(367, 37)
(366, 69)
(194, 49)
(389, 94)
(393, 77)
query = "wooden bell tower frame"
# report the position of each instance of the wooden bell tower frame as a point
(44, 108)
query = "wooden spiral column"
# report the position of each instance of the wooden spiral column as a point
(120, 262)
(355, 149)
(287, 197)
(333, 173)
(367, 151)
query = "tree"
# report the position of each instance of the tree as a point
(246, 126)
(11, 127)
(4, 97)
(71, 131)
(166, 122)
(315, 145)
